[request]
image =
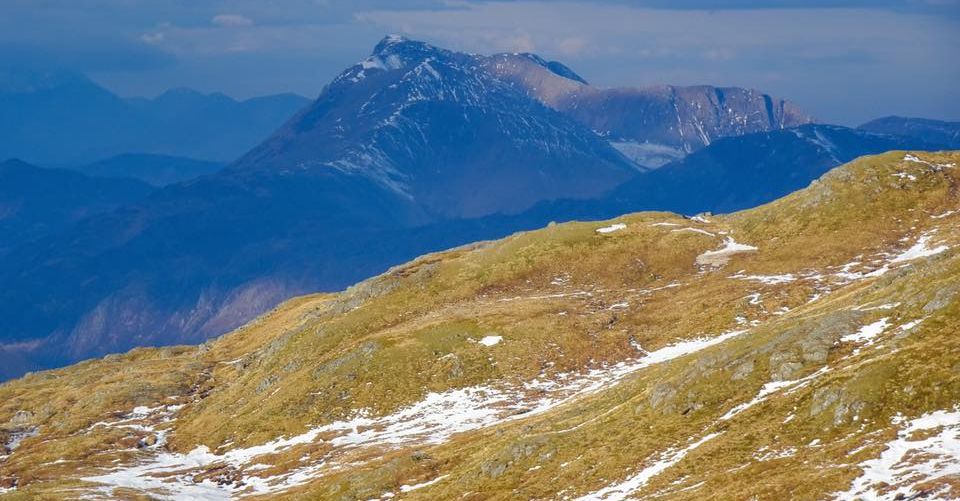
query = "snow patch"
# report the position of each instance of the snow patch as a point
(719, 257)
(612, 228)
(767, 279)
(919, 250)
(491, 340)
(17, 437)
(909, 461)
(662, 462)
(765, 391)
(695, 230)
(911, 324)
(867, 333)
(648, 155)
(886, 306)
(765, 454)
(408, 488)
(937, 167)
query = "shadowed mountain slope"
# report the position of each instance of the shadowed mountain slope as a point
(157, 170)
(36, 202)
(945, 134)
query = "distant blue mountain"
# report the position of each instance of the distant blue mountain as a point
(157, 170)
(740, 172)
(62, 118)
(734, 173)
(932, 131)
(37, 202)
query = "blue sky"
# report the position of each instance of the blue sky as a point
(844, 61)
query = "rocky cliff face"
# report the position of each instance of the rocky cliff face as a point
(721, 357)
(652, 125)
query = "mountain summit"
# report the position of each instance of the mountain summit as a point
(437, 128)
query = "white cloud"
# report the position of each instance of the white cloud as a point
(153, 38)
(572, 46)
(231, 20)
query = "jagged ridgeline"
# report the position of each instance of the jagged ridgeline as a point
(804, 349)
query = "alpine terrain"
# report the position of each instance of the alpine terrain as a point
(651, 356)
(413, 149)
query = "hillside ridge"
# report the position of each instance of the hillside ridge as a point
(651, 355)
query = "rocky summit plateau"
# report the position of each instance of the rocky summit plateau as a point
(803, 349)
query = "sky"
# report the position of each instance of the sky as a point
(844, 61)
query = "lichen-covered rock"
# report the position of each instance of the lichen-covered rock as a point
(662, 397)
(743, 371)
(823, 398)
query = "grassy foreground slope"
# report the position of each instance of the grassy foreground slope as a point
(805, 349)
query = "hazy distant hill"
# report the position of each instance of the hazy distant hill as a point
(37, 202)
(740, 172)
(60, 118)
(157, 170)
(932, 131)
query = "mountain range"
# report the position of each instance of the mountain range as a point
(651, 356)
(156, 170)
(934, 131)
(653, 125)
(411, 150)
(63, 119)
(740, 172)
